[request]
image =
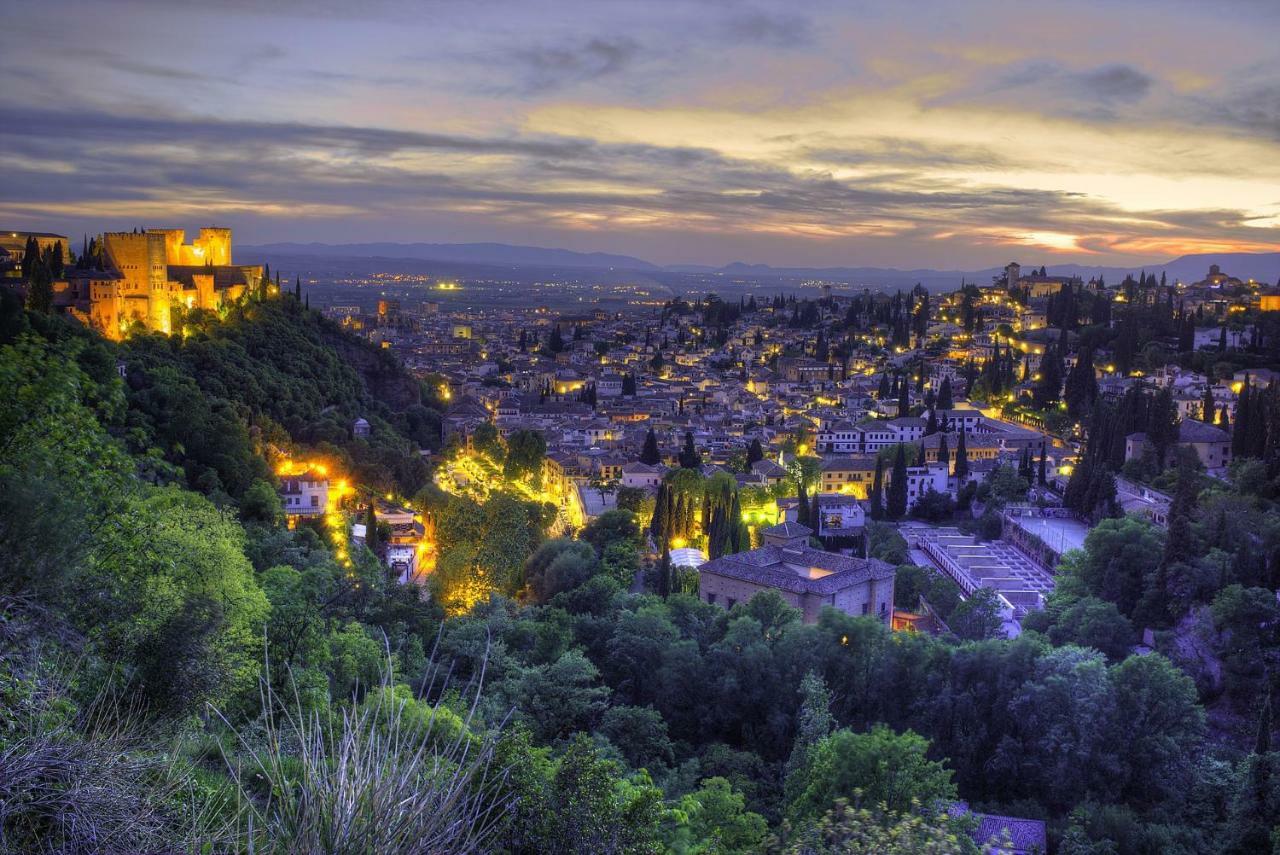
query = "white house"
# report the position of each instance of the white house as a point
(304, 495)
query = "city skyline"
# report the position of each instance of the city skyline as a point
(678, 132)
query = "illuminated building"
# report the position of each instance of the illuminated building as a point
(148, 277)
(305, 493)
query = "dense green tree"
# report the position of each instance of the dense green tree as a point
(978, 617)
(879, 767)
(526, 449)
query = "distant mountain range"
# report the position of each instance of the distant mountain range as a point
(1264, 266)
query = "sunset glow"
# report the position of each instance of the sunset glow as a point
(685, 132)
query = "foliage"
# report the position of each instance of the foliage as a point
(870, 831)
(386, 776)
(879, 768)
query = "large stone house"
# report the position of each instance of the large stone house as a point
(1211, 444)
(809, 579)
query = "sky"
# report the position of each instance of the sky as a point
(923, 134)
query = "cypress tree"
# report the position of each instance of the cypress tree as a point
(931, 425)
(1262, 743)
(650, 454)
(962, 458)
(1049, 385)
(661, 522)
(1207, 407)
(664, 573)
(944, 453)
(1040, 475)
(689, 456)
(371, 531)
(755, 452)
(802, 506)
(877, 492)
(904, 399)
(896, 507)
(944, 395)
(40, 289)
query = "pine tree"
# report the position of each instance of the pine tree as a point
(649, 454)
(962, 459)
(896, 507)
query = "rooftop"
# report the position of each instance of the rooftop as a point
(798, 569)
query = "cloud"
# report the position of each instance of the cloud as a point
(1053, 83)
(772, 30)
(1114, 83)
(109, 165)
(549, 68)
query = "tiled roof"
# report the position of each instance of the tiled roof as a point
(787, 529)
(771, 566)
(1190, 430)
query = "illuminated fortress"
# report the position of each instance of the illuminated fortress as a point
(149, 278)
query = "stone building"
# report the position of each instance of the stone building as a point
(150, 277)
(809, 579)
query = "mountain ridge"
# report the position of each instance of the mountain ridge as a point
(1264, 266)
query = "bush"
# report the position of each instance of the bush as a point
(386, 776)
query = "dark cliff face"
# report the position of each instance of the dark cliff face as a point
(385, 380)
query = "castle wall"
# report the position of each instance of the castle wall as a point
(214, 245)
(145, 292)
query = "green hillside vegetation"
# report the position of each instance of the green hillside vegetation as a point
(182, 672)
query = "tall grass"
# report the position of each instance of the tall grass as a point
(89, 778)
(387, 775)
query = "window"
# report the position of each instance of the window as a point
(711, 598)
(315, 501)
(866, 607)
(730, 602)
